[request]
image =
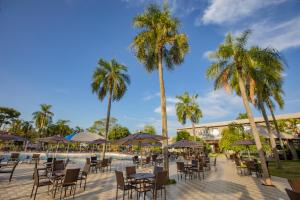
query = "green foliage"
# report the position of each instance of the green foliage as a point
(7, 115)
(159, 37)
(99, 125)
(149, 129)
(183, 135)
(188, 108)
(171, 182)
(242, 116)
(61, 127)
(43, 118)
(118, 132)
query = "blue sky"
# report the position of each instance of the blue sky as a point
(49, 49)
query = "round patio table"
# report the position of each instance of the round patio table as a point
(142, 176)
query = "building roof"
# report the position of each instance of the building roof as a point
(243, 121)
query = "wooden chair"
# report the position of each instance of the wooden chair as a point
(14, 157)
(295, 184)
(35, 158)
(292, 194)
(83, 174)
(58, 165)
(9, 169)
(161, 180)
(93, 166)
(122, 185)
(69, 180)
(38, 182)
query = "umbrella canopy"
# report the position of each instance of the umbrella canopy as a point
(264, 132)
(146, 144)
(244, 142)
(186, 144)
(138, 138)
(98, 141)
(9, 137)
(83, 137)
(54, 139)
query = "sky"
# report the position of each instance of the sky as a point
(50, 48)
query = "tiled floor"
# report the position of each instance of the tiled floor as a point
(221, 182)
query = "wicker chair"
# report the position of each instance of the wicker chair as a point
(292, 194)
(102, 165)
(39, 182)
(69, 180)
(161, 179)
(197, 169)
(14, 157)
(122, 185)
(295, 184)
(83, 174)
(181, 170)
(9, 169)
(35, 158)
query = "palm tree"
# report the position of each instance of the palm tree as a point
(110, 78)
(267, 78)
(62, 126)
(188, 108)
(43, 117)
(159, 41)
(233, 63)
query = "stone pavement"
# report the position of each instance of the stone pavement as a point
(221, 182)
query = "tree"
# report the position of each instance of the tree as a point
(159, 41)
(188, 108)
(149, 129)
(63, 127)
(43, 118)
(118, 132)
(242, 116)
(27, 128)
(7, 115)
(99, 125)
(232, 63)
(182, 135)
(110, 78)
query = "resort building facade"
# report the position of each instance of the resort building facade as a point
(211, 132)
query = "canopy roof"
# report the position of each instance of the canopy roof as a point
(9, 137)
(98, 141)
(83, 137)
(139, 138)
(186, 144)
(53, 139)
(244, 142)
(264, 132)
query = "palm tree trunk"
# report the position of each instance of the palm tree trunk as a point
(107, 123)
(163, 111)
(265, 173)
(277, 130)
(272, 139)
(194, 131)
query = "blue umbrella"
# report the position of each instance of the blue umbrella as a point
(69, 137)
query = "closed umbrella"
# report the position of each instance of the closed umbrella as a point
(139, 138)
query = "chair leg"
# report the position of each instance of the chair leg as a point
(35, 192)
(117, 193)
(165, 194)
(61, 189)
(32, 191)
(10, 177)
(84, 184)
(123, 194)
(74, 192)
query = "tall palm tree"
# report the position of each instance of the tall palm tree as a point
(233, 62)
(158, 42)
(43, 117)
(110, 78)
(267, 78)
(188, 108)
(62, 126)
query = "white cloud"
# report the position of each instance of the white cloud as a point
(170, 109)
(221, 11)
(151, 96)
(206, 55)
(280, 35)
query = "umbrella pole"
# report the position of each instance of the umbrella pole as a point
(68, 151)
(56, 149)
(248, 152)
(141, 161)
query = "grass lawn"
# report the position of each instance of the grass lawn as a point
(290, 169)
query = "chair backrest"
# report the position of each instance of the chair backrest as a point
(157, 169)
(67, 162)
(71, 176)
(130, 170)
(237, 162)
(293, 195)
(154, 157)
(93, 158)
(86, 168)
(161, 179)
(180, 165)
(109, 160)
(35, 156)
(148, 159)
(14, 156)
(195, 163)
(49, 159)
(88, 160)
(104, 162)
(58, 165)
(120, 179)
(36, 174)
(295, 184)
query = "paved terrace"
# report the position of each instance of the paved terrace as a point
(221, 182)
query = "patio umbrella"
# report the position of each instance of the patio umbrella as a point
(96, 142)
(83, 137)
(246, 143)
(56, 139)
(139, 138)
(186, 144)
(9, 137)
